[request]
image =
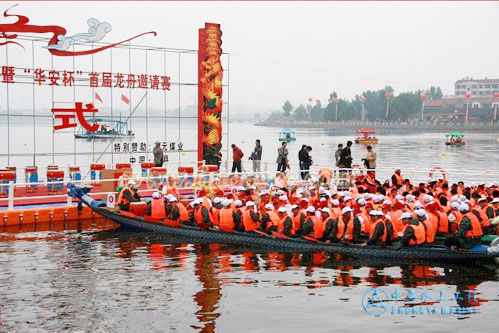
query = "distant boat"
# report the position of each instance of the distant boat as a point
(287, 135)
(108, 129)
(366, 136)
(454, 139)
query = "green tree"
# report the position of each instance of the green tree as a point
(405, 106)
(300, 113)
(434, 93)
(287, 107)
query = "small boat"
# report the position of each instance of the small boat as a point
(108, 129)
(366, 136)
(287, 135)
(280, 242)
(454, 139)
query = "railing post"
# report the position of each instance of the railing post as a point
(11, 195)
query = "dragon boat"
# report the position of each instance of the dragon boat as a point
(280, 242)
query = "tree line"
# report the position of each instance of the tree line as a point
(402, 107)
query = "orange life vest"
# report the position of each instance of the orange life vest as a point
(227, 220)
(394, 218)
(432, 217)
(281, 225)
(483, 216)
(122, 199)
(198, 216)
(430, 231)
(419, 232)
(297, 221)
(158, 208)
(476, 228)
(335, 212)
(184, 215)
(443, 222)
(458, 216)
(274, 219)
(249, 224)
(493, 210)
(399, 178)
(340, 228)
(206, 203)
(373, 228)
(348, 228)
(215, 214)
(318, 230)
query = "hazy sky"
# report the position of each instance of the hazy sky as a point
(298, 50)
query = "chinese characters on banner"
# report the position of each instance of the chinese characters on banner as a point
(95, 79)
(66, 115)
(141, 147)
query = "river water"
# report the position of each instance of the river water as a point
(115, 281)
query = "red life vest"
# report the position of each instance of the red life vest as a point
(227, 220)
(318, 229)
(122, 199)
(198, 216)
(297, 221)
(249, 224)
(429, 231)
(399, 179)
(215, 214)
(476, 228)
(443, 222)
(394, 218)
(158, 208)
(483, 217)
(274, 219)
(419, 232)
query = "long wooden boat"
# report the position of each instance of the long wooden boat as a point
(436, 254)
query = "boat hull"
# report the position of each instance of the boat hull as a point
(367, 142)
(102, 136)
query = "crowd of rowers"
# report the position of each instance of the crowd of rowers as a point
(394, 213)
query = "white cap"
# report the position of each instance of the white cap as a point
(281, 210)
(378, 198)
(373, 212)
(310, 209)
(283, 197)
(358, 196)
(464, 208)
(131, 182)
(321, 190)
(396, 168)
(250, 203)
(462, 198)
(198, 201)
(238, 203)
(295, 206)
(452, 218)
(335, 202)
(496, 200)
(322, 199)
(163, 190)
(454, 198)
(427, 198)
(405, 215)
(173, 199)
(418, 205)
(481, 199)
(346, 210)
(226, 202)
(217, 200)
(156, 195)
(347, 198)
(299, 196)
(326, 210)
(421, 212)
(280, 192)
(387, 202)
(410, 197)
(379, 213)
(341, 194)
(269, 207)
(455, 205)
(399, 197)
(361, 202)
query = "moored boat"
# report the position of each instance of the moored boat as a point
(139, 223)
(366, 136)
(108, 129)
(454, 139)
(287, 135)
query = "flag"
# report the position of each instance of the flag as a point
(125, 99)
(97, 97)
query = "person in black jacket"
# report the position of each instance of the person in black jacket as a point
(304, 159)
(346, 156)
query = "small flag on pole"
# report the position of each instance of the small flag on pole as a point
(125, 99)
(97, 97)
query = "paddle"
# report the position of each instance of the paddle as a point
(279, 235)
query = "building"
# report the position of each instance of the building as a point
(454, 109)
(476, 88)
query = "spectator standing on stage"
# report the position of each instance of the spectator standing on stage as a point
(158, 155)
(282, 158)
(256, 156)
(303, 157)
(237, 155)
(337, 154)
(346, 156)
(371, 159)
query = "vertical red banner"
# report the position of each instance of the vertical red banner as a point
(210, 75)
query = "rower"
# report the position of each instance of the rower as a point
(336, 233)
(285, 225)
(327, 223)
(469, 231)
(201, 215)
(430, 230)
(298, 217)
(413, 233)
(353, 225)
(311, 220)
(397, 179)
(269, 218)
(481, 213)
(178, 212)
(128, 194)
(227, 217)
(238, 214)
(378, 232)
(215, 210)
(454, 215)
(156, 207)
(250, 217)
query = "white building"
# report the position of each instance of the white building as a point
(477, 88)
